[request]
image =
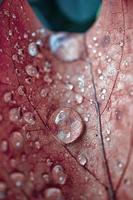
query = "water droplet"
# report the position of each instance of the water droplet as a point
(79, 98)
(47, 66)
(16, 140)
(67, 125)
(53, 194)
(108, 139)
(3, 189)
(39, 43)
(32, 71)
(4, 146)
(15, 114)
(21, 90)
(82, 159)
(121, 44)
(8, 96)
(29, 118)
(59, 175)
(25, 35)
(119, 164)
(37, 145)
(66, 47)
(32, 49)
(69, 86)
(46, 178)
(18, 178)
(49, 162)
(94, 38)
(44, 92)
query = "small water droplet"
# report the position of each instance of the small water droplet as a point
(21, 90)
(119, 164)
(32, 71)
(79, 98)
(46, 178)
(4, 146)
(18, 178)
(59, 175)
(44, 92)
(17, 140)
(121, 44)
(49, 162)
(69, 86)
(25, 35)
(15, 114)
(47, 66)
(32, 49)
(53, 194)
(108, 139)
(82, 159)
(3, 188)
(67, 125)
(29, 118)
(8, 96)
(38, 145)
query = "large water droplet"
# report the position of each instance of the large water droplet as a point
(15, 114)
(67, 124)
(59, 175)
(18, 178)
(17, 140)
(68, 48)
(53, 194)
(29, 118)
(3, 189)
(32, 49)
(32, 71)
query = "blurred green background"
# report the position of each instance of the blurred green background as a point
(67, 15)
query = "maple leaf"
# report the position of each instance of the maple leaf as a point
(66, 107)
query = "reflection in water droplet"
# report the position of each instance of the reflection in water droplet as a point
(32, 49)
(59, 175)
(60, 117)
(53, 194)
(3, 189)
(32, 71)
(29, 118)
(82, 159)
(17, 140)
(18, 178)
(67, 123)
(15, 114)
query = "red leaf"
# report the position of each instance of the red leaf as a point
(66, 107)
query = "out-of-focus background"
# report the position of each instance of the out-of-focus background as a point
(67, 15)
